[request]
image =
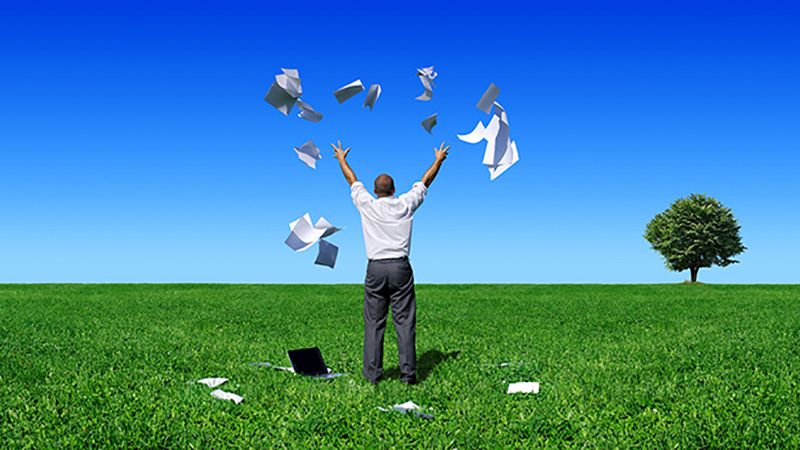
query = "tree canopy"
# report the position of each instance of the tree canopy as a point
(695, 232)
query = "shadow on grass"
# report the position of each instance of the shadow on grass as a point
(425, 364)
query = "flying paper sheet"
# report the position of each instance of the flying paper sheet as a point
(429, 123)
(280, 99)
(222, 395)
(501, 152)
(329, 228)
(372, 96)
(290, 82)
(213, 382)
(426, 76)
(488, 98)
(307, 112)
(309, 154)
(523, 388)
(304, 235)
(327, 254)
(344, 93)
(284, 91)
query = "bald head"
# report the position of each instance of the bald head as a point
(384, 186)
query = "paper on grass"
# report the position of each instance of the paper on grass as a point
(488, 98)
(501, 152)
(261, 364)
(213, 382)
(372, 96)
(307, 112)
(523, 388)
(429, 123)
(346, 92)
(407, 407)
(309, 154)
(327, 254)
(222, 395)
(328, 376)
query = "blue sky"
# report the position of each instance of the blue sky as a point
(136, 145)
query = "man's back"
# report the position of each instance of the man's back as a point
(387, 221)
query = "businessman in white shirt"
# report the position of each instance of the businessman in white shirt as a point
(386, 221)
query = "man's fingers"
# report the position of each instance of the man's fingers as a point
(447, 148)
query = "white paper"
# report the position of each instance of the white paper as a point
(429, 123)
(284, 91)
(501, 152)
(309, 154)
(290, 82)
(213, 382)
(523, 388)
(475, 135)
(329, 228)
(407, 406)
(327, 253)
(280, 99)
(222, 395)
(488, 98)
(328, 376)
(344, 93)
(303, 235)
(261, 364)
(307, 112)
(426, 76)
(372, 96)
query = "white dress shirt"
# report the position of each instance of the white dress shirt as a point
(387, 221)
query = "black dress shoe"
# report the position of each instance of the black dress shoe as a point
(409, 381)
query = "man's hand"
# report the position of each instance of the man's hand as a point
(430, 174)
(441, 152)
(338, 153)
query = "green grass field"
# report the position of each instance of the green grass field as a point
(619, 366)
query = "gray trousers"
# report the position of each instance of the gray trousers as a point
(390, 282)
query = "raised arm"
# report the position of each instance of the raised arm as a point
(433, 170)
(340, 155)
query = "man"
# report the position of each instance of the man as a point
(386, 222)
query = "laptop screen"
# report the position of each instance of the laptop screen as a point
(308, 361)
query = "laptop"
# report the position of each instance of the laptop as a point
(308, 361)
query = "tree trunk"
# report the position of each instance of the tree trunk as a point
(694, 271)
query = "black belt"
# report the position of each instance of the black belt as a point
(402, 258)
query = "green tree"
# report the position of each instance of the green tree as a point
(695, 232)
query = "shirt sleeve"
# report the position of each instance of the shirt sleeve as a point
(359, 194)
(415, 196)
